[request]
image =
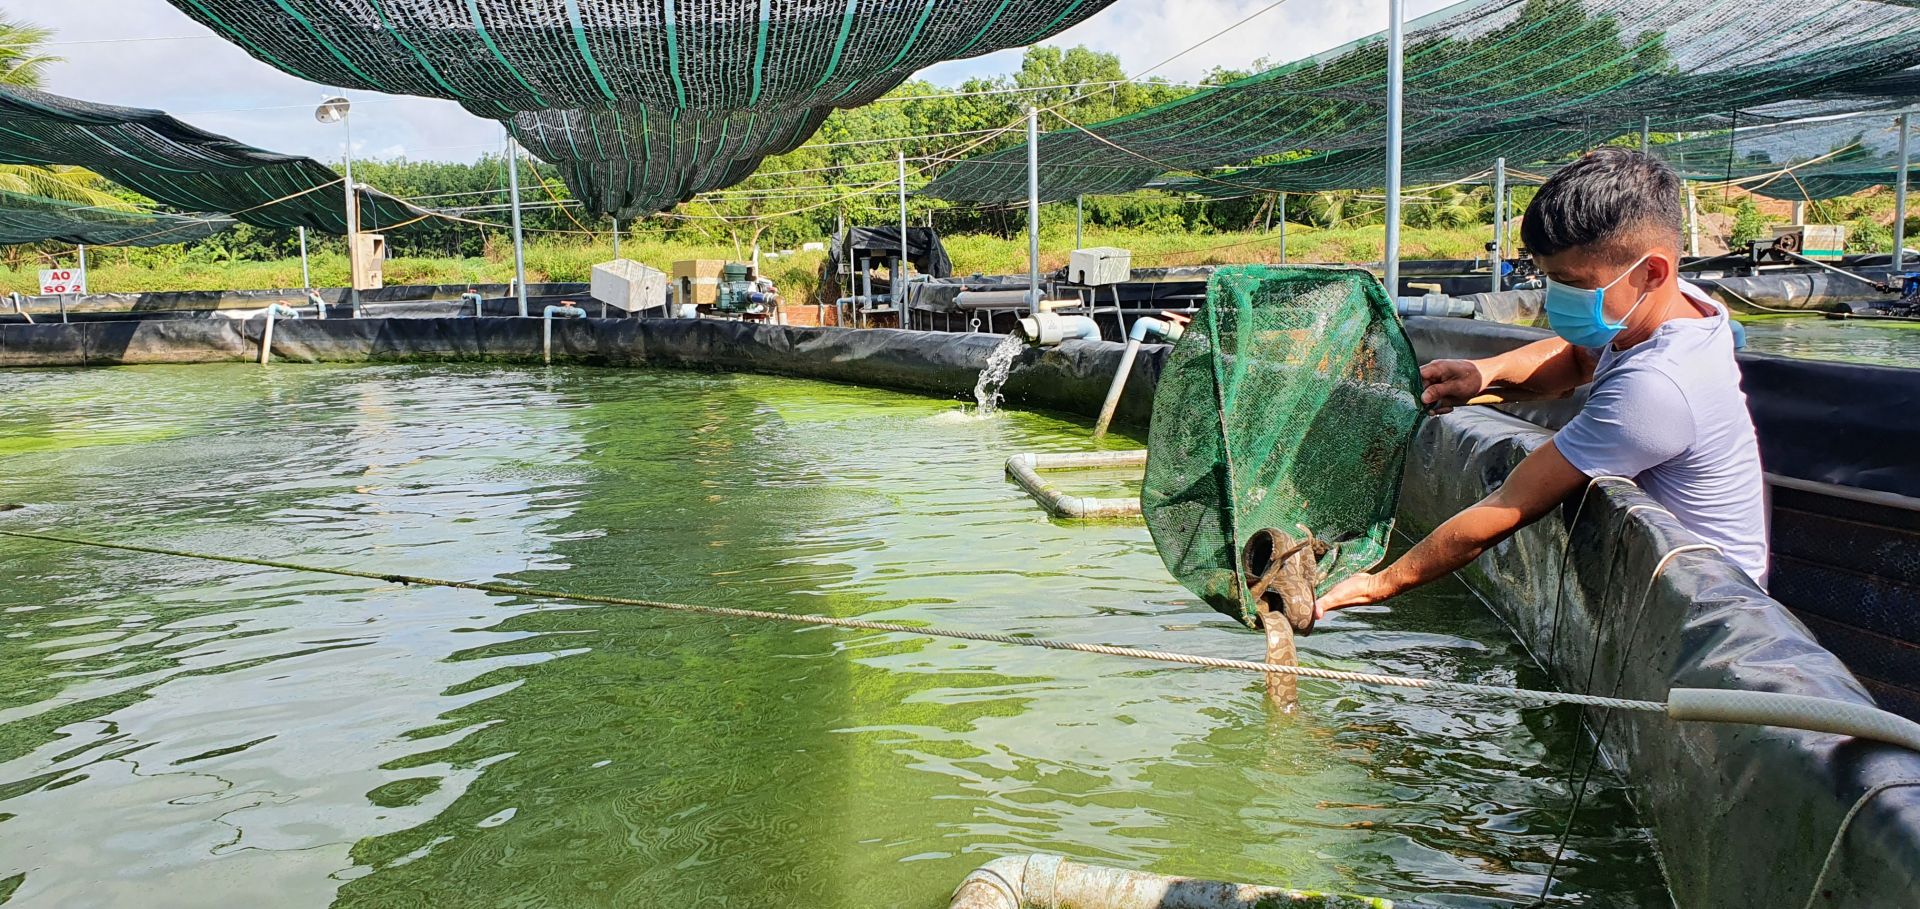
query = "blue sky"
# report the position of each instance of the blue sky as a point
(174, 64)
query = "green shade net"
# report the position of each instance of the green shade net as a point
(628, 164)
(501, 57)
(1813, 160)
(1491, 67)
(182, 166)
(640, 103)
(32, 219)
(1290, 401)
(1816, 159)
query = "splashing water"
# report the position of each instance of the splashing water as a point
(987, 390)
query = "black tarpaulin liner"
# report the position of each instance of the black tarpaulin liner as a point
(924, 249)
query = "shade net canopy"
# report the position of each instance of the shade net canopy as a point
(648, 101)
(33, 219)
(628, 164)
(501, 58)
(1814, 160)
(182, 166)
(1492, 67)
(1817, 159)
(1289, 402)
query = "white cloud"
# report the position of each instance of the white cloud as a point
(1145, 33)
(216, 86)
(181, 67)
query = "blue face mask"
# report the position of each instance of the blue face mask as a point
(1580, 315)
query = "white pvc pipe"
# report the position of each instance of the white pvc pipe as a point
(266, 334)
(1051, 882)
(546, 327)
(306, 276)
(1024, 468)
(1143, 328)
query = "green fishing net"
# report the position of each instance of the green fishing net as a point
(1289, 402)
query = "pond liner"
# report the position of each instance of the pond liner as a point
(1744, 815)
(38, 305)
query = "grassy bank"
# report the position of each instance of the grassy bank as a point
(797, 275)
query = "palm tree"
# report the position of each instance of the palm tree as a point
(23, 62)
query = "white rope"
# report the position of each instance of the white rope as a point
(1331, 675)
(1833, 851)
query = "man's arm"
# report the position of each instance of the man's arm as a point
(1544, 479)
(1546, 368)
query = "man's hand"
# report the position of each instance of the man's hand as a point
(1359, 590)
(1451, 383)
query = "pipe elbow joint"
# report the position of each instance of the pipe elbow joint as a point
(1048, 329)
(1148, 327)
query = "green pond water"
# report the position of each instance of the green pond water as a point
(180, 733)
(1846, 341)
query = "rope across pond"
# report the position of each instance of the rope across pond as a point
(1524, 695)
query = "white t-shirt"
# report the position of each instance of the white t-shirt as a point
(1669, 413)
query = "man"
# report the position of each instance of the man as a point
(1665, 409)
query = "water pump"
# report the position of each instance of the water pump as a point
(743, 294)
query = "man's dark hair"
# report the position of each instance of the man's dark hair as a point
(1608, 196)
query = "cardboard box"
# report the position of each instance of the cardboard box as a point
(697, 281)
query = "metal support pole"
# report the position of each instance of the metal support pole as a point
(1646, 135)
(1900, 200)
(306, 276)
(1799, 211)
(83, 269)
(353, 223)
(1396, 76)
(1033, 206)
(616, 238)
(1283, 228)
(1693, 222)
(1079, 221)
(519, 243)
(899, 278)
(1499, 257)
